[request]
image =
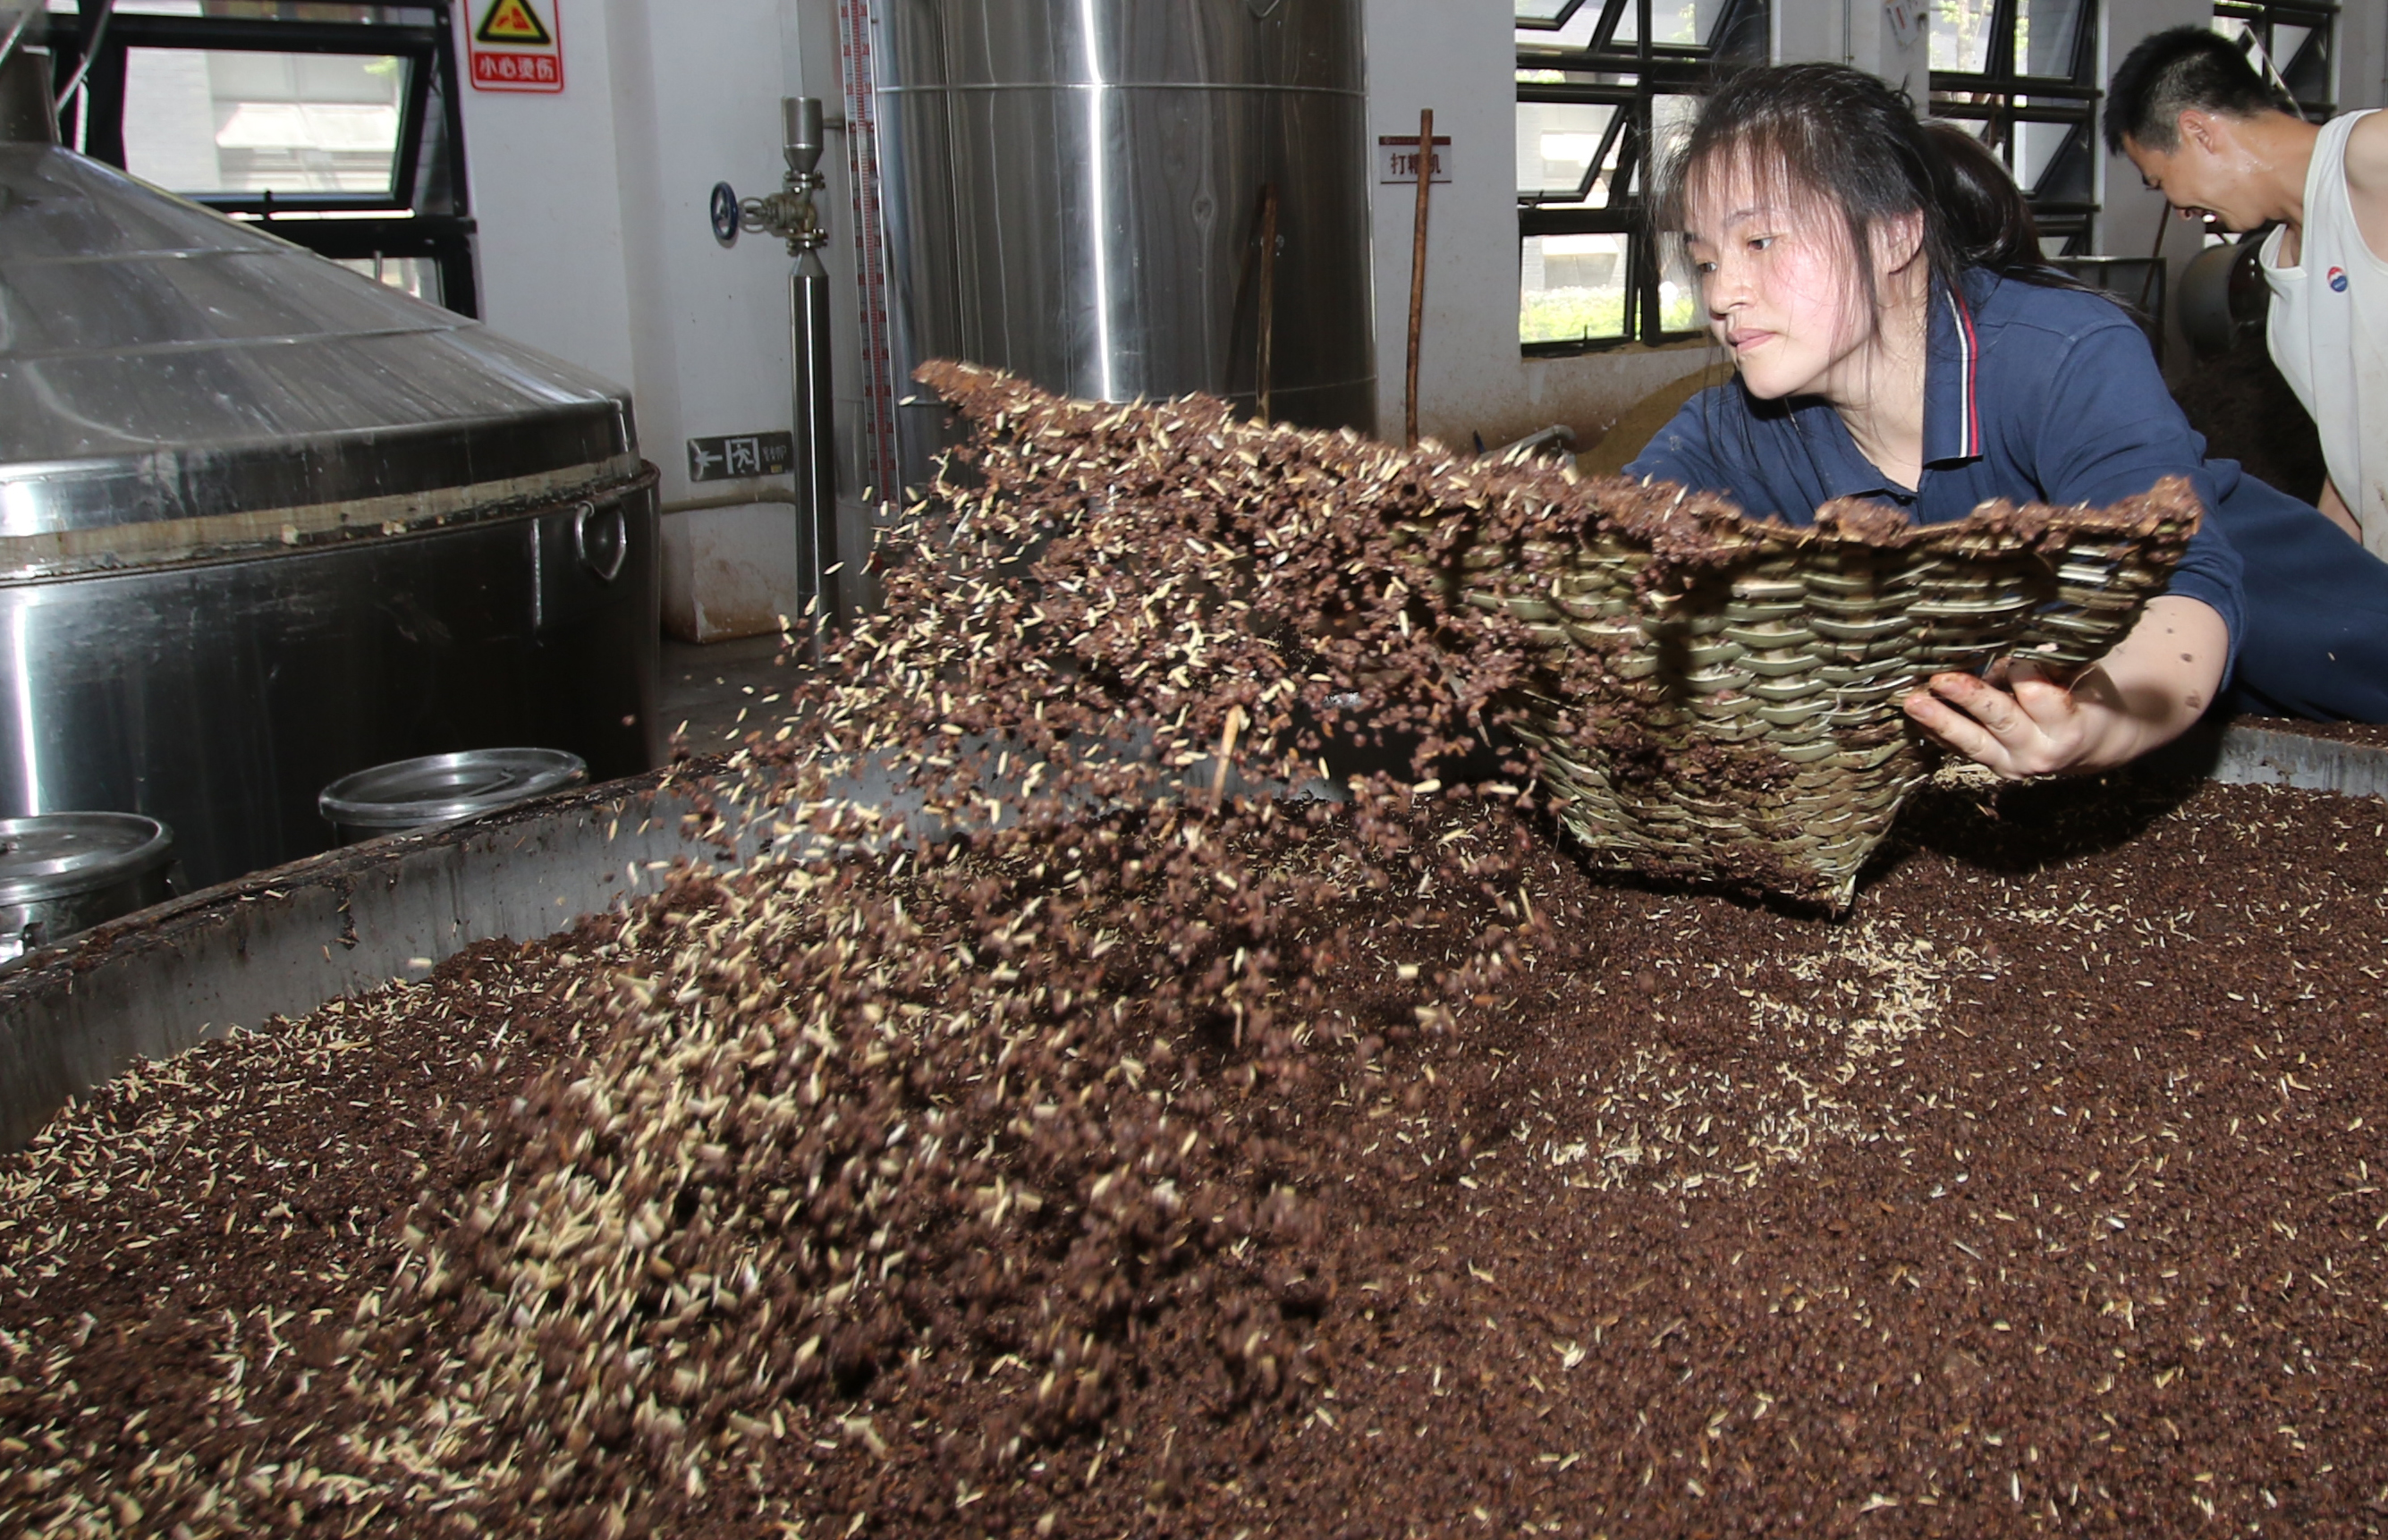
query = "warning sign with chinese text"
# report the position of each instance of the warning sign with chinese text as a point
(517, 45)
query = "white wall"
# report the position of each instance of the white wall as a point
(2129, 215)
(2362, 55)
(594, 246)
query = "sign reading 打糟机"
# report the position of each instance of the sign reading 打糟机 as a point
(515, 46)
(1397, 158)
(735, 456)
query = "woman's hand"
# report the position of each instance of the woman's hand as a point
(2034, 726)
(2142, 695)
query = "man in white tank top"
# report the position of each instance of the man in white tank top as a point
(2207, 130)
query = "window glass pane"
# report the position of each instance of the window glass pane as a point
(236, 121)
(2306, 68)
(1572, 288)
(170, 122)
(1678, 290)
(2040, 166)
(2044, 35)
(1548, 12)
(1685, 21)
(1960, 35)
(1556, 141)
(416, 276)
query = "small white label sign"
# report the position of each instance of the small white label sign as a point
(1397, 158)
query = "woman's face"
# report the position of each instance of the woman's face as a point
(1780, 284)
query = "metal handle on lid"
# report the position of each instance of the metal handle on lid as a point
(603, 545)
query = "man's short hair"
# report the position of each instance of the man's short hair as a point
(2174, 72)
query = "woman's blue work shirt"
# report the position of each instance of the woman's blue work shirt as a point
(2052, 395)
(2030, 393)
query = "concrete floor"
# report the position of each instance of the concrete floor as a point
(705, 687)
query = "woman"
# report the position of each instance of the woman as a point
(1881, 287)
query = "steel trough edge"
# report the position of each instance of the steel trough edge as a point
(285, 941)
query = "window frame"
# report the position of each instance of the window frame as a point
(2262, 16)
(1654, 70)
(2073, 99)
(425, 213)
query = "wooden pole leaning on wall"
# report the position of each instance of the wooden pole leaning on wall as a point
(1417, 274)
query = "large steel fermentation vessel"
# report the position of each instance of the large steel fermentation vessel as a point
(264, 522)
(1078, 192)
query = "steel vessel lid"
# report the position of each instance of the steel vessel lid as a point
(438, 787)
(51, 856)
(175, 385)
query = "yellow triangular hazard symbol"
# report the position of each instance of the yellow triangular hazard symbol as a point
(512, 21)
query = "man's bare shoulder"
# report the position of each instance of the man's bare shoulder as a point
(2367, 156)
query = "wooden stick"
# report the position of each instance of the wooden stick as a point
(1417, 273)
(1268, 294)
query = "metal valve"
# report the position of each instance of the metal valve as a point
(789, 213)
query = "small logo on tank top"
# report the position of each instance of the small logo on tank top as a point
(2337, 280)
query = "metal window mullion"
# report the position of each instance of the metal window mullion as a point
(451, 109)
(1576, 222)
(1642, 272)
(2001, 65)
(1609, 139)
(1605, 29)
(406, 160)
(1949, 79)
(1672, 68)
(1578, 95)
(1556, 24)
(2085, 51)
(143, 30)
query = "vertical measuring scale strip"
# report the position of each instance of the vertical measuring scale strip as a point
(857, 19)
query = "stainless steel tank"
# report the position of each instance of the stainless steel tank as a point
(1076, 191)
(264, 522)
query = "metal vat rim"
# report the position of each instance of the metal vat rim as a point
(65, 496)
(150, 254)
(333, 526)
(88, 873)
(213, 344)
(520, 774)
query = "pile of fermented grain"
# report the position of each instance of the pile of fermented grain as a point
(987, 1135)
(823, 1107)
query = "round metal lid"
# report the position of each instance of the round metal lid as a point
(54, 855)
(438, 787)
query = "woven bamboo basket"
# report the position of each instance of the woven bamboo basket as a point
(1740, 715)
(1712, 696)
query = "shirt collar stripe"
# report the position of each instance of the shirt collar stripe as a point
(1968, 353)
